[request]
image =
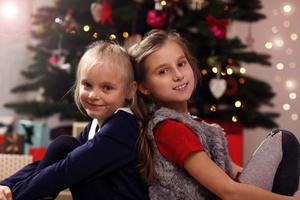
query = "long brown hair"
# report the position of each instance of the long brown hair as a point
(151, 42)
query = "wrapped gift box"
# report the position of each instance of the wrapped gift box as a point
(10, 163)
(37, 152)
(13, 144)
(36, 134)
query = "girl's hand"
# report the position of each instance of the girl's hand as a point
(5, 193)
(297, 194)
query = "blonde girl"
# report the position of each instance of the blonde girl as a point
(101, 162)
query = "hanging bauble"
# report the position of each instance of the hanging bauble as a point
(40, 94)
(196, 4)
(217, 87)
(69, 24)
(106, 14)
(156, 19)
(218, 27)
(53, 59)
(96, 9)
(232, 86)
(131, 40)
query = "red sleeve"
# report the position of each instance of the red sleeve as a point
(176, 141)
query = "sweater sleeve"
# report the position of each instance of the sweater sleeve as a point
(175, 141)
(20, 175)
(110, 149)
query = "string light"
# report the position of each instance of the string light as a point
(86, 28)
(280, 66)
(287, 9)
(293, 95)
(289, 51)
(238, 104)
(286, 106)
(274, 29)
(213, 108)
(95, 35)
(125, 34)
(242, 81)
(294, 117)
(234, 118)
(268, 45)
(243, 70)
(214, 70)
(112, 37)
(294, 36)
(204, 72)
(286, 23)
(229, 71)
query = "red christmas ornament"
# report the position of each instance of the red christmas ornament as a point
(53, 60)
(106, 14)
(218, 27)
(155, 19)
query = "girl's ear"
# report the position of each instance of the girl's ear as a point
(143, 89)
(132, 90)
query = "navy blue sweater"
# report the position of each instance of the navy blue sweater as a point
(109, 159)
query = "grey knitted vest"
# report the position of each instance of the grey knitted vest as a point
(174, 182)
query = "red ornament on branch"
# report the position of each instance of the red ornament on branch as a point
(218, 27)
(106, 14)
(156, 19)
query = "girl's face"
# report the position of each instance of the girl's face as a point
(169, 77)
(103, 89)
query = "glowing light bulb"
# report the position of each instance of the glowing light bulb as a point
(86, 28)
(294, 117)
(286, 106)
(280, 66)
(293, 95)
(238, 104)
(243, 70)
(294, 36)
(268, 45)
(9, 10)
(287, 8)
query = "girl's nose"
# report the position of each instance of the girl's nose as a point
(177, 75)
(94, 95)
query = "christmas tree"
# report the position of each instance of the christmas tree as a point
(226, 92)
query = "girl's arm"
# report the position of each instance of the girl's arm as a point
(217, 181)
(107, 151)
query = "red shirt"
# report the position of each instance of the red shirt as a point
(176, 141)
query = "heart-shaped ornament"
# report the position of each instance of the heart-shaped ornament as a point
(96, 9)
(217, 87)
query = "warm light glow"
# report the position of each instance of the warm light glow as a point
(293, 95)
(280, 66)
(286, 23)
(290, 84)
(278, 42)
(286, 107)
(95, 35)
(86, 28)
(287, 8)
(234, 118)
(229, 71)
(204, 72)
(112, 37)
(289, 51)
(268, 45)
(294, 36)
(242, 81)
(238, 104)
(58, 20)
(163, 3)
(274, 29)
(277, 78)
(215, 70)
(243, 70)
(213, 108)
(9, 10)
(125, 34)
(292, 65)
(294, 117)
